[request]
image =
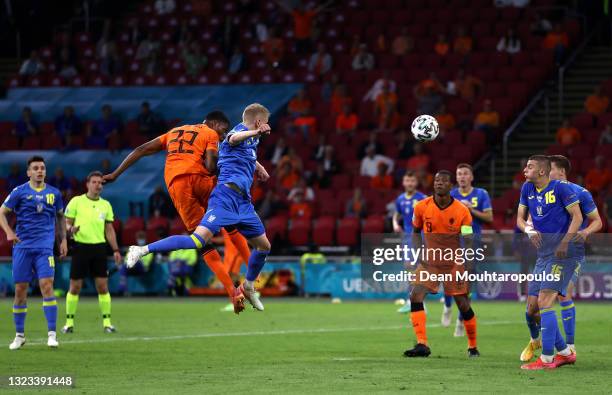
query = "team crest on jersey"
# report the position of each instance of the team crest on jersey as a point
(211, 219)
(39, 207)
(539, 210)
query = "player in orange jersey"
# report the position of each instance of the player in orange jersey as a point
(443, 220)
(190, 175)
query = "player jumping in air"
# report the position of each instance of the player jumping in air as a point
(37, 206)
(478, 202)
(402, 218)
(560, 168)
(555, 212)
(443, 220)
(191, 166)
(230, 201)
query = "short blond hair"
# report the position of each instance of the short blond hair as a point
(253, 110)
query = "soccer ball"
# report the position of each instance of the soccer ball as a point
(425, 128)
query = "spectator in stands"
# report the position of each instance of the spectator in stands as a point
(557, 41)
(487, 120)
(442, 46)
(68, 125)
(510, 43)
(377, 87)
(356, 205)
(296, 161)
(425, 179)
(355, 43)
(149, 123)
(302, 23)
(347, 121)
(15, 177)
(278, 151)
(463, 43)
(273, 49)
(308, 194)
(339, 99)
(103, 129)
(32, 65)
(110, 61)
(66, 68)
(298, 208)
(567, 135)
(466, 86)
(307, 124)
(136, 35)
(146, 47)
(369, 164)
(402, 44)
(320, 62)
(60, 181)
(597, 178)
(445, 119)
(329, 87)
(372, 142)
(541, 26)
(606, 135)
(152, 65)
(160, 203)
(236, 62)
(269, 205)
(420, 160)
(321, 179)
(596, 104)
(330, 164)
(430, 102)
(164, 7)
(404, 145)
(431, 82)
(299, 104)
(363, 59)
(386, 109)
(287, 176)
(320, 148)
(25, 126)
(65, 51)
(382, 180)
(195, 61)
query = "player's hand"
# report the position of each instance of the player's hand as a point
(561, 251)
(63, 248)
(73, 230)
(117, 257)
(397, 228)
(12, 237)
(466, 203)
(264, 129)
(536, 238)
(581, 236)
(108, 178)
(262, 174)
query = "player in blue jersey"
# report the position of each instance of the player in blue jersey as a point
(402, 218)
(37, 206)
(478, 202)
(230, 201)
(555, 211)
(560, 168)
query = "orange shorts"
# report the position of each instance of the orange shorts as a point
(190, 193)
(452, 286)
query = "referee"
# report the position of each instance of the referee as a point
(89, 218)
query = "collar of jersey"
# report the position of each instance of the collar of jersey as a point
(465, 194)
(543, 188)
(37, 189)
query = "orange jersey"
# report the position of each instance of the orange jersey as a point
(186, 146)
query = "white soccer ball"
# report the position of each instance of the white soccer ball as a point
(425, 128)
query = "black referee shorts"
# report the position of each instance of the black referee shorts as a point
(88, 260)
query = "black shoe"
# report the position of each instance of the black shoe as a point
(473, 352)
(419, 350)
(68, 329)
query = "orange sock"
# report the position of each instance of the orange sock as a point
(213, 260)
(470, 330)
(241, 245)
(419, 320)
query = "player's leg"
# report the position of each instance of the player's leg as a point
(469, 322)
(257, 260)
(568, 309)
(45, 270)
(22, 275)
(240, 242)
(99, 271)
(532, 313)
(447, 310)
(419, 321)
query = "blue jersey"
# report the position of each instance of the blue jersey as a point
(587, 205)
(237, 163)
(548, 209)
(404, 205)
(478, 199)
(36, 211)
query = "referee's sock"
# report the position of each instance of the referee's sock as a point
(72, 302)
(104, 300)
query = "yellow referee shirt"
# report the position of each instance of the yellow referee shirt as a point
(90, 216)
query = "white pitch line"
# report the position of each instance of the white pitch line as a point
(238, 334)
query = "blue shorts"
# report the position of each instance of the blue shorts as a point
(552, 265)
(228, 207)
(27, 262)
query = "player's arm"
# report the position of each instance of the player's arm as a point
(595, 224)
(61, 233)
(261, 172)
(210, 160)
(396, 222)
(238, 137)
(10, 233)
(111, 238)
(484, 216)
(71, 230)
(149, 148)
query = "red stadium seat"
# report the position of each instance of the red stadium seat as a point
(582, 151)
(157, 227)
(299, 232)
(52, 142)
(130, 228)
(276, 228)
(582, 121)
(373, 224)
(31, 143)
(347, 233)
(6, 248)
(177, 227)
(323, 231)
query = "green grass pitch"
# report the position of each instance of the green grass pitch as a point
(296, 346)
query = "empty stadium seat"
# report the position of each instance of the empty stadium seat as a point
(299, 232)
(347, 232)
(323, 231)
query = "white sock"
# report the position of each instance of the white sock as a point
(565, 352)
(249, 284)
(20, 334)
(547, 358)
(51, 333)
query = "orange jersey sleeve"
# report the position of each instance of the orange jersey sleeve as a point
(186, 148)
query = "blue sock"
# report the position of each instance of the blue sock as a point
(179, 242)
(50, 310)
(448, 300)
(534, 327)
(256, 263)
(551, 336)
(19, 316)
(568, 315)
